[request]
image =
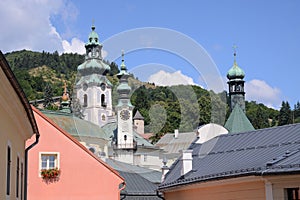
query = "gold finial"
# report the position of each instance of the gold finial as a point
(65, 95)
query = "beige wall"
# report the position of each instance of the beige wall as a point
(280, 183)
(227, 190)
(15, 128)
(236, 189)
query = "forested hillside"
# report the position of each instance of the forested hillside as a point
(164, 108)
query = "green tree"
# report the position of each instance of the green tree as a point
(296, 112)
(285, 114)
(48, 97)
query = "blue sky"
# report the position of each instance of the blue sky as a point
(267, 34)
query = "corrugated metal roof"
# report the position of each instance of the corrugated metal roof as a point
(141, 183)
(172, 145)
(149, 174)
(241, 154)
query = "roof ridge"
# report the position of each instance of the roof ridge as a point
(252, 148)
(286, 155)
(258, 130)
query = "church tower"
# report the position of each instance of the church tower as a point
(236, 86)
(93, 89)
(124, 110)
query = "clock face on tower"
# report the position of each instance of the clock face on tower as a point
(125, 114)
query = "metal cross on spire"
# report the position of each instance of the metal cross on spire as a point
(234, 52)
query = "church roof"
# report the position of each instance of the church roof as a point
(261, 152)
(138, 115)
(238, 121)
(235, 72)
(93, 37)
(77, 127)
(93, 66)
(93, 78)
(111, 128)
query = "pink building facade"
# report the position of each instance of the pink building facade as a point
(71, 170)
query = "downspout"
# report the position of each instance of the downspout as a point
(122, 188)
(37, 136)
(159, 195)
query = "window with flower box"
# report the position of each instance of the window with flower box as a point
(49, 165)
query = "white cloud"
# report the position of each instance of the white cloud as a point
(26, 25)
(260, 91)
(164, 78)
(76, 46)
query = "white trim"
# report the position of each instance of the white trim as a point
(269, 190)
(48, 153)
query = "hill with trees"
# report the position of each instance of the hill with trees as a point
(164, 108)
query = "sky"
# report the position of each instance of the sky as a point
(172, 42)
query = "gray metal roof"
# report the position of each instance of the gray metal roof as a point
(149, 174)
(138, 115)
(141, 183)
(267, 151)
(172, 145)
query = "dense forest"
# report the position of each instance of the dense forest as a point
(164, 108)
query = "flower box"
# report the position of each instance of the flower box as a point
(50, 173)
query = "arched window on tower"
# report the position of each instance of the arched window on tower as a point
(85, 100)
(103, 103)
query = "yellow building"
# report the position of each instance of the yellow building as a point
(254, 165)
(17, 124)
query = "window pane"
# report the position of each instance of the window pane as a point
(52, 161)
(44, 161)
(48, 161)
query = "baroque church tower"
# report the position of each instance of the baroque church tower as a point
(124, 110)
(236, 86)
(93, 89)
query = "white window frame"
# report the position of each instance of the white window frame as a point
(49, 153)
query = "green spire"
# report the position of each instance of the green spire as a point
(235, 71)
(123, 88)
(93, 37)
(123, 66)
(123, 70)
(238, 121)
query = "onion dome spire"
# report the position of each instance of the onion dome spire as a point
(123, 88)
(235, 72)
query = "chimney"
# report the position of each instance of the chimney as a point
(164, 169)
(187, 161)
(176, 133)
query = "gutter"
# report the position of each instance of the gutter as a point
(122, 188)
(37, 136)
(123, 196)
